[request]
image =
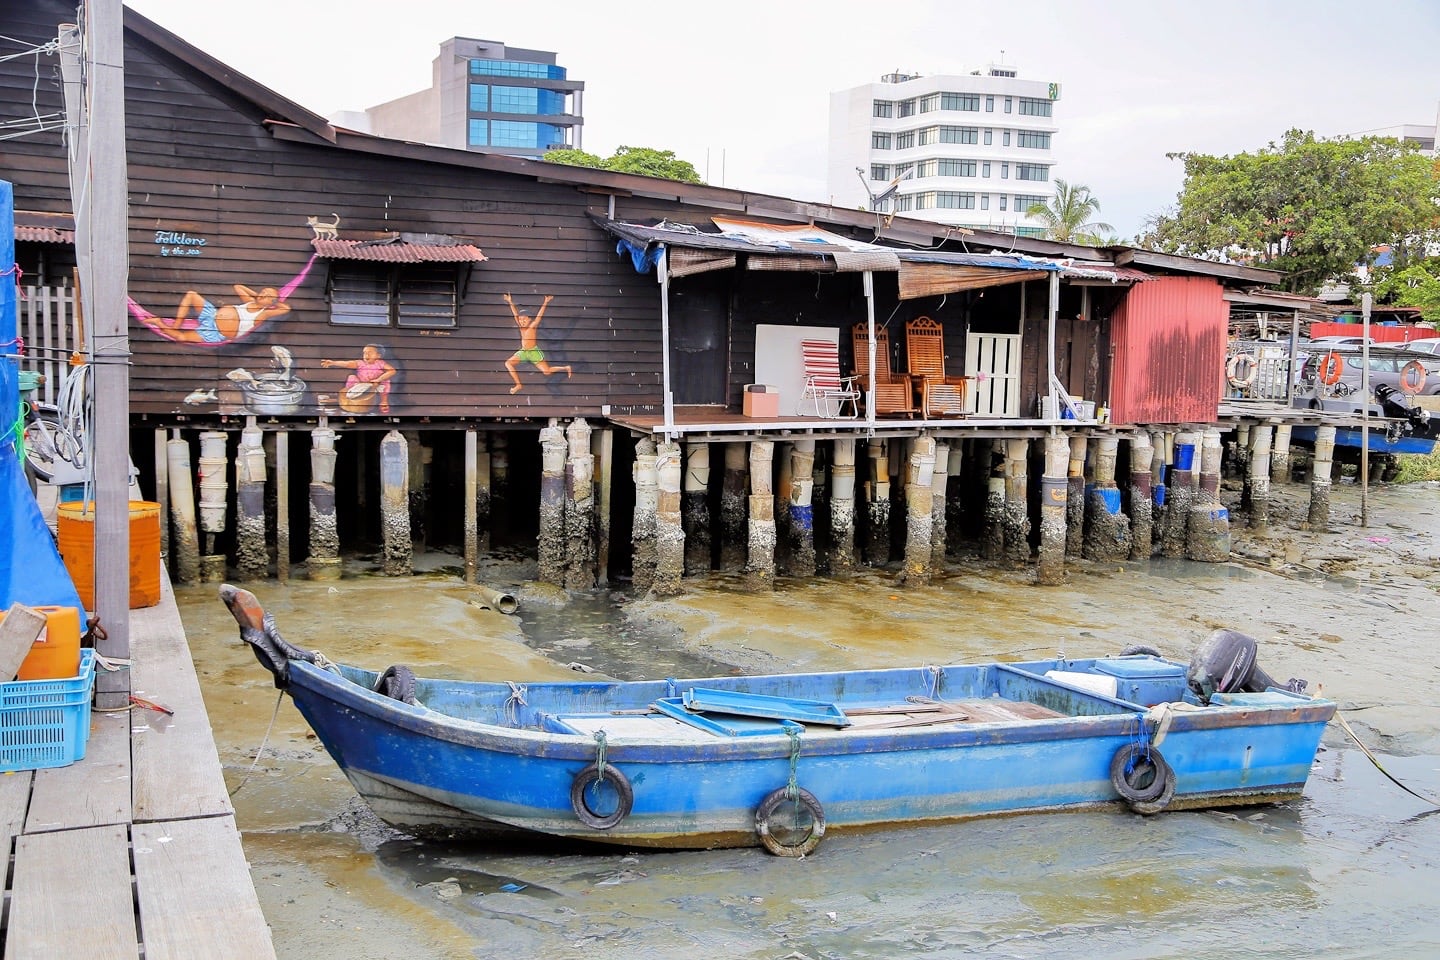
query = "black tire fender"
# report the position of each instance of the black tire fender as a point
(1143, 779)
(397, 683)
(624, 795)
(767, 809)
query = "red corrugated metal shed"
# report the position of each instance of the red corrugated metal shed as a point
(1169, 341)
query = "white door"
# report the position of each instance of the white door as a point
(992, 360)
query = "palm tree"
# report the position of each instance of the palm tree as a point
(1067, 216)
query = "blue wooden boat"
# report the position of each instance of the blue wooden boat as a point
(779, 760)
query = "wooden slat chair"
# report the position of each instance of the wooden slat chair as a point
(940, 395)
(824, 385)
(893, 394)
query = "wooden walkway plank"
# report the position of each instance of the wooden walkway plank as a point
(197, 898)
(173, 760)
(93, 792)
(14, 801)
(72, 897)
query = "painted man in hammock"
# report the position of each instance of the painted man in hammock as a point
(529, 351)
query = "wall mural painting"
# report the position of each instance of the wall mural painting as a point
(279, 392)
(203, 323)
(530, 351)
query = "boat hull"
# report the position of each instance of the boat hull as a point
(1022, 743)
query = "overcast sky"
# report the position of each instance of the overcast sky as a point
(741, 89)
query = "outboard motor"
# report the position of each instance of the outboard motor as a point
(1392, 402)
(1225, 662)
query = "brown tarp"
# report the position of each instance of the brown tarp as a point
(934, 279)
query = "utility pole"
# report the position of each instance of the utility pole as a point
(92, 65)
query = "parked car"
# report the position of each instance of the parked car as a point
(1430, 345)
(1389, 366)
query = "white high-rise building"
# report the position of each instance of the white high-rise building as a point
(975, 150)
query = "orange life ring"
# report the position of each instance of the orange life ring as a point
(1241, 370)
(1331, 368)
(1412, 378)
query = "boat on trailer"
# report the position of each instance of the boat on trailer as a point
(779, 760)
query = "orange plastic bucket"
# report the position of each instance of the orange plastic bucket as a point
(75, 530)
(55, 655)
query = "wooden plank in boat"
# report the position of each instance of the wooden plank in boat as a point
(651, 727)
(93, 792)
(195, 893)
(1000, 711)
(734, 703)
(70, 896)
(724, 725)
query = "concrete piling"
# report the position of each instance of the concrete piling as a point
(1180, 495)
(784, 473)
(1258, 476)
(919, 512)
(1107, 529)
(800, 514)
(669, 527)
(1075, 496)
(186, 540)
(252, 555)
(877, 504)
(992, 534)
(733, 533)
(471, 514)
(323, 562)
(603, 444)
(760, 553)
(695, 509)
(580, 507)
(282, 505)
(551, 537)
(643, 529)
(1142, 506)
(499, 473)
(214, 494)
(842, 506)
(1280, 454)
(1017, 506)
(1321, 465)
(1054, 511)
(955, 498)
(1207, 533)
(939, 487)
(418, 459)
(395, 505)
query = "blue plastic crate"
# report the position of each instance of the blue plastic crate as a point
(46, 723)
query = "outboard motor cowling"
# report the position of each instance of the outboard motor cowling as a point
(1225, 663)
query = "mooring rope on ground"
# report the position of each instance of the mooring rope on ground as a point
(280, 695)
(1388, 775)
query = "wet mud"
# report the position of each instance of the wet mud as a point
(1346, 871)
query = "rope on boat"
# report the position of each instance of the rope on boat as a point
(792, 787)
(280, 695)
(599, 754)
(1366, 750)
(933, 680)
(514, 702)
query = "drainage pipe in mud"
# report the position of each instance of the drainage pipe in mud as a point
(182, 508)
(580, 508)
(919, 512)
(1142, 508)
(647, 501)
(1075, 496)
(939, 487)
(760, 554)
(695, 508)
(494, 598)
(1017, 505)
(1054, 511)
(324, 559)
(1320, 467)
(252, 559)
(1107, 532)
(669, 531)
(398, 549)
(842, 506)
(801, 503)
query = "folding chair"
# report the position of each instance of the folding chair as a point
(823, 383)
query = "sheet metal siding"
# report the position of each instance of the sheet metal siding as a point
(1169, 349)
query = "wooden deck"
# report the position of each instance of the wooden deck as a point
(721, 424)
(133, 851)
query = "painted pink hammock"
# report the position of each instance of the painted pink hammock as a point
(152, 322)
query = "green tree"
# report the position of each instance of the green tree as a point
(1067, 217)
(1417, 285)
(1311, 208)
(644, 161)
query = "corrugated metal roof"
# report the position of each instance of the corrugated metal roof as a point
(1088, 270)
(43, 235)
(33, 226)
(396, 250)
